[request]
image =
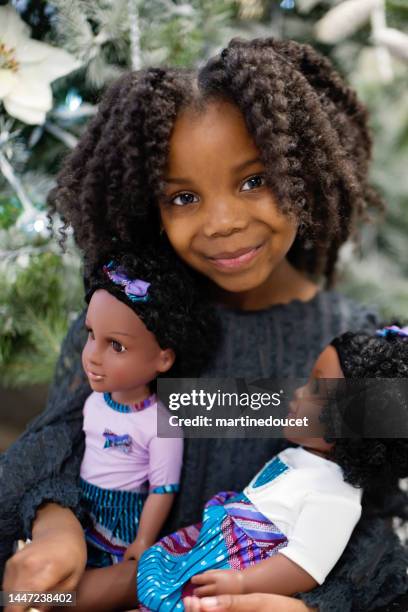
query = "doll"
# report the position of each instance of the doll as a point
(290, 525)
(140, 325)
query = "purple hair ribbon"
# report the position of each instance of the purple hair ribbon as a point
(136, 289)
(123, 443)
(392, 330)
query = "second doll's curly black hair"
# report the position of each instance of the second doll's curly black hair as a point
(374, 368)
(176, 311)
(309, 126)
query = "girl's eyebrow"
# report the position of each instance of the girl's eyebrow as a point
(245, 164)
(235, 169)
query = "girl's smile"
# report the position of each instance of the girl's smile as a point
(219, 214)
(236, 259)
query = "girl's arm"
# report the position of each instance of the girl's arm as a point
(277, 575)
(55, 559)
(154, 513)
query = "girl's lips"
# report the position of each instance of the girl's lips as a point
(235, 260)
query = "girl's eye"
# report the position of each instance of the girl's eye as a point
(184, 199)
(258, 180)
(117, 346)
(90, 334)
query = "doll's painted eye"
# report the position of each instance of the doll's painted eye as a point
(254, 182)
(314, 385)
(118, 347)
(90, 333)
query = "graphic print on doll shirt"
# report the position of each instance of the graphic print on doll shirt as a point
(272, 470)
(112, 440)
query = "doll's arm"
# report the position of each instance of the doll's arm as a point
(277, 575)
(165, 459)
(154, 513)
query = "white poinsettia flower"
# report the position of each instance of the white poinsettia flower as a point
(394, 40)
(344, 19)
(27, 67)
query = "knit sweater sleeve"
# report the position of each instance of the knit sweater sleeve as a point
(372, 572)
(43, 464)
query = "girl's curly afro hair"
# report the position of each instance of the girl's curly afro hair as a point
(176, 311)
(309, 126)
(367, 460)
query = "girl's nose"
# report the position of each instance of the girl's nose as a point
(224, 217)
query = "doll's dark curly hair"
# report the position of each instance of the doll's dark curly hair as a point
(376, 386)
(176, 311)
(309, 126)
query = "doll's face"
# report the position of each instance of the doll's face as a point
(218, 213)
(121, 354)
(310, 399)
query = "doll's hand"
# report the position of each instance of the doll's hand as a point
(135, 550)
(216, 582)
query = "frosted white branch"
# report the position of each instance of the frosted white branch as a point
(379, 23)
(134, 31)
(65, 137)
(7, 171)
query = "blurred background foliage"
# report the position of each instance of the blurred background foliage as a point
(94, 41)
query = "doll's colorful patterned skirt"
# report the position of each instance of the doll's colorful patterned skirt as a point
(114, 520)
(233, 535)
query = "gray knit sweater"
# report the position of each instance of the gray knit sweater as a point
(280, 341)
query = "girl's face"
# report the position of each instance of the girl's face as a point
(121, 355)
(217, 211)
(310, 400)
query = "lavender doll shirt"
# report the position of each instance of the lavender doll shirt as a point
(122, 450)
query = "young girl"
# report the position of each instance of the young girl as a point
(255, 169)
(288, 528)
(139, 323)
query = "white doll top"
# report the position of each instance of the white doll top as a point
(305, 496)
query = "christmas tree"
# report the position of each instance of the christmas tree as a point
(57, 57)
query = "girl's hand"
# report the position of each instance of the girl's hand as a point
(246, 603)
(53, 563)
(55, 560)
(217, 582)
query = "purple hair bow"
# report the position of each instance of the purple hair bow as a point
(392, 330)
(135, 289)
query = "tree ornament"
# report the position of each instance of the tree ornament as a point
(288, 4)
(33, 223)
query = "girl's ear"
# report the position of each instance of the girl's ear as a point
(166, 359)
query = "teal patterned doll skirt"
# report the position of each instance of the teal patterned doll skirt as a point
(232, 535)
(113, 522)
